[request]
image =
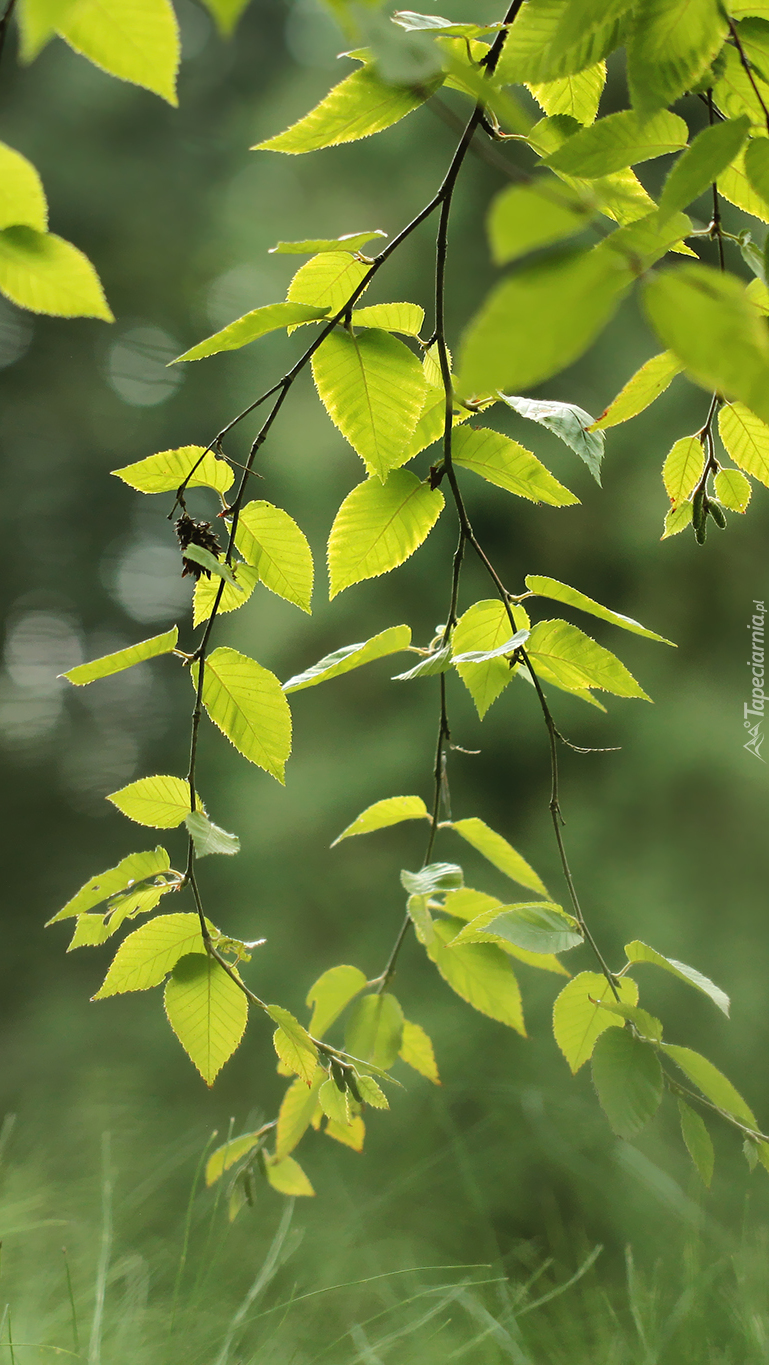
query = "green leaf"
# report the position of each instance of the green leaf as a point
(617, 141)
(698, 1142)
(712, 1082)
(714, 329)
(350, 241)
(378, 526)
(641, 952)
(207, 1011)
(162, 802)
(530, 56)
(497, 851)
(416, 1051)
(293, 1043)
(484, 626)
(468, 904)
(207, 589)
(208, 837)
(642, 388)
(567, 301)
(563, 651)
(508, 465)
(22, 197)
(683, 468)
(272, 543)
(732, 489)
(331, 993)
(45, 274)
(434, 878)
(328, 281)
(226, 13)
(525, 217)
(479, 973)
(333, 1102)
(672, 43)
(382, 814)
(137, 867)
(371, 1093)
(418, 913)
(351, 1134)
(146, 957)
(246, 702)
(166, 471)
(199, 555)
(287, 1177)
(373, 389)
(407, 318)
(566, 421)
(578, 1020)
(733, 91)
(645, 1023)
(251, 326)
(628, 1078)
(391, 641)
(506, 650)
(360, 105)
(415, 23)
(435, 662)
(701, 164)
(123, 658)
(537, 927)
(561, 592)
(646, 240)
(226, 1156)
(374, 1030)
(757, 166)
(677, 520)
(576, 96)
(38, 21)
(746, 439)
(296, 1113)
(579, 17)
(135, 40)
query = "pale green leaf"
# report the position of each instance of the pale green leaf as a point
(432, 879)
(374, 1030)
(567, 301)
(683, 468)
(407, 318)
(208, 837)
(641, 952)
(226, 1156)
(646, 1024)
(371, 1093)
(360, 105)
(422, 920)
(712, 1082)
(328, 281)
(468, 904)
(617, 141)
(22, 198)
(530, 56)
(506, 650)
(349, 241)
(646, 240)
(333, 1102)
(578, 1020)
(331, 993)
(137, 867)
(166, 471)
(480, 973)
(734, 185)
(672, 43)
(207, 1011)
(94, 929)
(561, 592)
(246, 702)
(209, 562)
(226, 13)
(297, 1111)
(415, 23)
(287, 1177)
(698, 1142)
(732, 489)
(162, 802)
(350, 1134)
(496, 850)
(525, 217)
(146, 957)
(570, 424)
(272, 543)
(207, 589)
(293, 1043)
(251, 326)
(373, 389)
(432, 420)
(123, 658)
(391, 641)
(642, 388)
(417, 1051)
(746, 439)
(135, 40)
(677, 520)
(435, 662)
(577, 96)
(38, 22)
(508, 465)
(378, 526)
(733, 91)
(45, 274)
(484, 626)
(382, 814)
(628, 1078)
(579, 17)
(697, 168)
(537, 927)
(570, 655)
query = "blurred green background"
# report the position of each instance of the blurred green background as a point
(511, 1161)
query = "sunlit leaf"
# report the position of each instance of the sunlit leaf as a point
(711, 1082)
(328, 281)
(378, 526)
(331, 993)
(525, 217)
(226, 1156)
(407, 318)
(642, 388)
(746, 438)
(628, 1078)
(392, 641)
(374, 1030)
(496, 850)
(641, 952)
(251, 326)
(246, 702)
(22, 198)
(293, 1043)
(137, 867)
(146, 957)
(207, 1011)
(164, 472)
(577, 96)
(578, 1020)
(272, 543)
(161, 801)
(298, 1107)
(732, 489)
(417, 1051)
(208, 837)
(484, 626)
(695, 170)
(570, 424)
(45, 274)
(136, 40)
(617, 141)
(123, 658)
(382, 814)
(561, 592)
(226, 13)
(508, 465)
(672, 43)
(683, 468)
(537, 927)
(434, 878)
(360, 105)
(480, 973)
(564, 651)
(287, 1177)
(350, 241)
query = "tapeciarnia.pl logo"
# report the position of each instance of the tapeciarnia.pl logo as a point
(753, 711)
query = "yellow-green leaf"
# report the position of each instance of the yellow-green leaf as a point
(293, 1043)
(38, 21)
(287, 1177)
(508, 465)
(578, 1019)
(407, 318)
(732, 489)
(226, 1156)
(617, 141)
(226, 13)
(480, 973)
(641, 952)
(698, 1141)
(374, 1030)
(123, 658)
(578, 96)
(207, 589)
(349, 241)
(746, 439)
(166, 471)
(22, 198)
(485, 626)
(391, 641)
(137, 867)
(333, 1102)
(672, 44)
(360, 105)
(735, 185)
(417, 1051)
(350, 1134)
(45, 274)
(330, 994)
(272, 543)
(561, 592)
(525, 217)
(207, 1011)
(162, 802)
(251, 326)
(146, 957)
(653, 378)
(677, 520)
(298, 1108)
(496, 850)
(328, 281)
(378, 526)
(135, 40)
(246, 702)
(713, 1083)
(560, 650)
(683, 468)
(382, 814)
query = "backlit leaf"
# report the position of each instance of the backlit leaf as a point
(641, 952)
(378, 526)
(467, 904)
(506, 650)
(530, 56)
(407, 318)
(733, 91)
(374, 1030)
(642, 388)
(135, 40)
(496, 850)
(746, 439)
(617, 141)
(298, 1107)
(146, 957)
(732, 489)
(123, 658)
(330, 994)
(672, 44)
(677, 520)
(570, 424)
(695, 170)
(480, 973)
(484, 626)
(272, 543)
(561, 592)
(333, 1102)
(360, 105)
(435, 662)
(734, 185)
(432, 879)
(293, 1044)
(350, 1134)
(578, 1021)
(417, 1051)
(207, 590)
(537, 927)
(207, 1011)
(38, 21)
(382, 814)
(161, 801)
(350, 241)
(164, 472)
(508, 465)
(683, 468)
(45, 274)
(226, 1156)
(525, 217)
(578, 95)
(372, 1093)
(208, 837)
(712, 1082)
(698, 1141)
(566, 653)
(287, 1177)
(208, 561)
(328, 281)
(757, 166)
(252, 325)
(628, 1078)
(22, 198)
(391, 641)
(137, 867)
(246, 702)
